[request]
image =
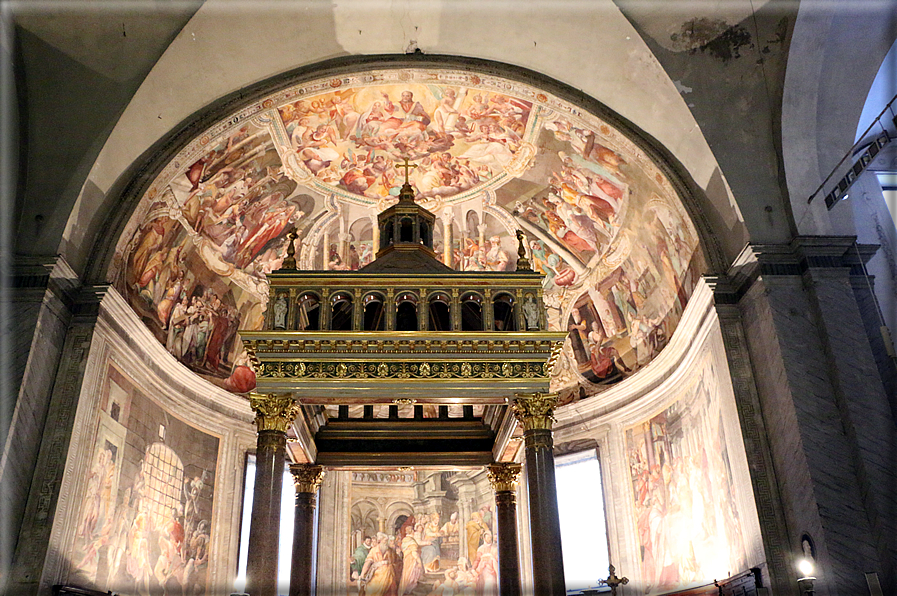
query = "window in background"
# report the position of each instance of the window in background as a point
(287, 512)
(583, 524)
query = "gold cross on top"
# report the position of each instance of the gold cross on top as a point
(407, 167)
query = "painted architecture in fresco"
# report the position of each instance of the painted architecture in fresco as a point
(144, 523)
(602, 221)
(683, 489)
(422, 533)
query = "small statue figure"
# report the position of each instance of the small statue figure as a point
(280, 312)
(531, 312)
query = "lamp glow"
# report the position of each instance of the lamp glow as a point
(805, 567)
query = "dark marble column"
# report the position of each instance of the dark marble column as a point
(534, 411)
(503, 478)
(273, 415)
(307, 478)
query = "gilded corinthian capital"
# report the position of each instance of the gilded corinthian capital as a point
(535, 411)
(503, 477)
(307, 477)
(273, 412)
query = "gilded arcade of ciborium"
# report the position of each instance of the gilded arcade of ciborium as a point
(405, 362)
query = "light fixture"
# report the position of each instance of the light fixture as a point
(805, 566)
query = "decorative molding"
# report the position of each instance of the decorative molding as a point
(286, 342)
(273, 412)
(762, 474)
(535, 411)
(307, 477)
(402, 370)
(503, 476)
(32, 552)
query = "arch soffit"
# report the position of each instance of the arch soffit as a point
(824, 93)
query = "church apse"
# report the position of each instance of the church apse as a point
(603, 223)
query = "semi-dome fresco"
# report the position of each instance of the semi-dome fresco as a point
(602, 221)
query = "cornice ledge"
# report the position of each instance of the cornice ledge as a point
(795, 258)
(828, 247)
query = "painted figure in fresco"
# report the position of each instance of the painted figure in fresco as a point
(172, 296)
(410, 113)
(316, 149)
(153, 235)
(242, 377)
(451, 529)
(394, 553)
(486, 566)
(412, 565)
(486, 515)
(354, 261)
(475, 529)
(538, 256)
(578, 336)
(448, 586)
(489, 147)
(496, 258)
(602, 360)
(356, 561)
(377, 575)
(223, 322)
(430, 542)
(98, 495)
(466, 578)
(446, 115)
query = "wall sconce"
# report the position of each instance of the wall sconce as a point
(805, 566)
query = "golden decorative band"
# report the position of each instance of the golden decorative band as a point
(503, 476)
(273, 412)
(349, 369)
(535, 411)
(307, 477)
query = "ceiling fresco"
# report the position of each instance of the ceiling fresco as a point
(602, 221)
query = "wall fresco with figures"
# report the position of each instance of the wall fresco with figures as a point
(683, 487)
(422, 532)
(602, 221)
(145, 518)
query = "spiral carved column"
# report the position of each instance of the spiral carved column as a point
(503, 478)
(273, 415)
(534, 411)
